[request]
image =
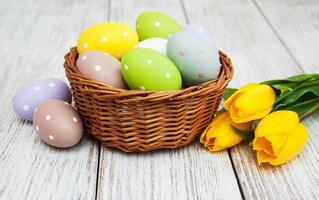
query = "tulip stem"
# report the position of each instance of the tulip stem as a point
(314, 108)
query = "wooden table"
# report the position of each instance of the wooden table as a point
(266, 39)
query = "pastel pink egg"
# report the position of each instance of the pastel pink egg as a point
(101, 67)
(58, 124)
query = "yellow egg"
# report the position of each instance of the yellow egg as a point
(111, 37)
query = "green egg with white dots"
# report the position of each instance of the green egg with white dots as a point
(146, 69)
(151, 24)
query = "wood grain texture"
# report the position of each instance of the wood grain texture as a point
(258, 54)
(34, 38)
(265, 39)
(184, 173)
(296, 22)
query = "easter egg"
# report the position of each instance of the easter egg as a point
(58, 124)
(157, 44)
(32, 95)
(196, 60)
(146, 69)
(201, 33)
(102, 67)
(110, 37)
(151, 24)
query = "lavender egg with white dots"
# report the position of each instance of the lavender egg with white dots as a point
(31, 96)
(58, 124)
(196, 60)
(101, 67)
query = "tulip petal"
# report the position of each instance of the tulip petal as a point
(220, 134)
(256, 99)
(252, 101)
(231, 99)
(293, 146)
(262, 144)
(277, 142)
(283, 121)
(225, 134)
(250, 117)
(203, 135)
(263, 157)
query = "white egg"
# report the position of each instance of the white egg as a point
(157, 44)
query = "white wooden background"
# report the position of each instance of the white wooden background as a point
(266, 39)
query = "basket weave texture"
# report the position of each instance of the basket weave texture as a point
(134, 120)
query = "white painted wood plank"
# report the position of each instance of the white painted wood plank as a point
(297, 24)
(258, 54)
(34, 36)
(184, 173)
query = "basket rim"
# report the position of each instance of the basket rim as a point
(107, 91)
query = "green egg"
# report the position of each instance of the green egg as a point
(151, 24)
(146, 69)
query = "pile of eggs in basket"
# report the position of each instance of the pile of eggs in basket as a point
(159, 55)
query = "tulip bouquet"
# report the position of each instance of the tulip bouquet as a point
(268, 116)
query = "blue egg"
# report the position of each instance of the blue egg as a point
(197, 60)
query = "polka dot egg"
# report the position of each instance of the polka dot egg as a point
(102, 67)
(151, 24)
(58, 124)
(32, 95)
(111, 37)
(157, 44)
(196, 59)
(146, 69)
(202, 34)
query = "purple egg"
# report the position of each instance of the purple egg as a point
(32, 95)
(201, 33)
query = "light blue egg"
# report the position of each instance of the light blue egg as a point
(197, 60)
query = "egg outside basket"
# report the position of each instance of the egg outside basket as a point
(134, 120)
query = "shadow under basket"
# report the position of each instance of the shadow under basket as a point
(134, 120)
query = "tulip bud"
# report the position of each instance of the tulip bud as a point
(252, 101)
(220, 133)
(279, 137)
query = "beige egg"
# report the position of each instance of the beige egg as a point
(58, 123)
(102, 67)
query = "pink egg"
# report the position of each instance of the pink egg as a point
(58, 124)
(101, 67)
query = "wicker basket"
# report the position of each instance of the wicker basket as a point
(134, 120)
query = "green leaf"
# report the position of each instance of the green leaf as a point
(308, 90)
(247, 135)
(303, 77)
(228, 92)
(220, 111)
(293, 79)
(288, 84)
(283, 87)
(304, 108)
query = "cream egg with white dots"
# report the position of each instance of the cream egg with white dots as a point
(157, 44)
(101, 67)
(58, 124)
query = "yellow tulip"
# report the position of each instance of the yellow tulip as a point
(279, 137)
(220, 134)
(252, 101)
